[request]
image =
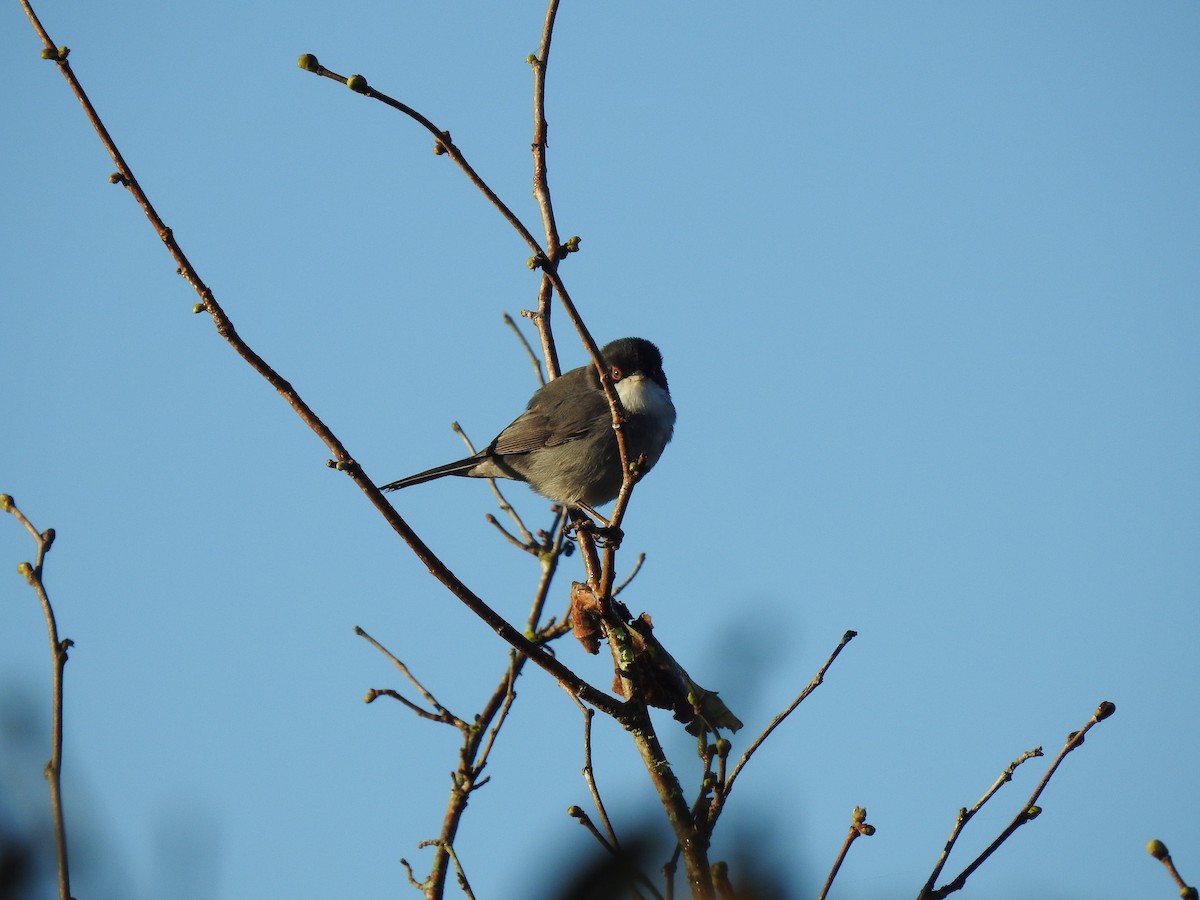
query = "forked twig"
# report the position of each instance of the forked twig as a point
(439, 714)
(965, 815)
(1028, 812)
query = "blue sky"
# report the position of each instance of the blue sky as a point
(925, 277)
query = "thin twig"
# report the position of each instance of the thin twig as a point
(965, 815)
(628, 868)
(589, 774)
(818, 679)
(510, 695)
(460, 874)
(1159, 851)
(541, 190)
(58, 653)
(440, 714)
(858, 828)
(553, 544)
(533, 359)
(637, 567)
(501, 500)
(1029, 810)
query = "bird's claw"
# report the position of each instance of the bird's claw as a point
(606, 535)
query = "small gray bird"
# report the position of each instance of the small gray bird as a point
(564, 445)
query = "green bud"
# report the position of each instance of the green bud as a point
(439, 150)
(723, 748)
(859, 815)
(358, 84)
(531, 59)
(1104, 710)
(1032, 813)
(1188, 893)
(531, 262)
(6, 502)
(1157, 849)
(64, 52)
(371, 696)
(25, 570)
(866, 830)
(575, 812)
(572, 244)
(308, 63)
(198, 308)
(49, 53)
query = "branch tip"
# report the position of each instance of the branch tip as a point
(309, 63)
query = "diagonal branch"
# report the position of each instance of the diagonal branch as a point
(965, 815)
(342, 459)
(1028, 812)
(818, 679)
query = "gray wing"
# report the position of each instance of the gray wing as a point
(559, 413)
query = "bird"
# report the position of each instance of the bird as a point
(564, 446)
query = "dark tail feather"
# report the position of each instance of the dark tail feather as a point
(461, 467)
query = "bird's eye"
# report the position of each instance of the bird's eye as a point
(616, 373)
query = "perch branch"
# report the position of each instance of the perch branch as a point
(342, 459)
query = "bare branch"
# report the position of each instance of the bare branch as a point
(440, 713)
(858, 828)
(589, 773)
(58, 653)
(637, 567)
(965, 815)
(1028, 812)
(533, 359)
(1159, 851)
(818, 679)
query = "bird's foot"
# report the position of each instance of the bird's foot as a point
(605, 534)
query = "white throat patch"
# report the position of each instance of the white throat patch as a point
(641, 396)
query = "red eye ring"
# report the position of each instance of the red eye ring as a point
(616, 373)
